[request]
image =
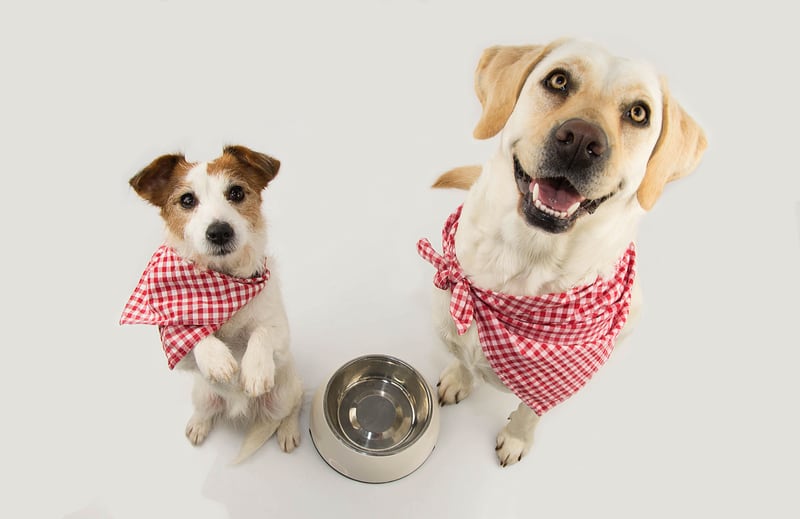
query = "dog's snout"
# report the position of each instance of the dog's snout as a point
(219, 233)
(580, 144)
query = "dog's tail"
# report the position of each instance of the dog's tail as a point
(459, 178)
(257, 435)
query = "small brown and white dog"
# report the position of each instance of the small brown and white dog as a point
(587, 143)
(244, 371)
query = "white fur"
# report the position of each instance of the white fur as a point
(245, 372)
(501, 252)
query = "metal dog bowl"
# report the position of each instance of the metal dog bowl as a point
(375, 420)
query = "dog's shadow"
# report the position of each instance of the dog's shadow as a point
(270, 481)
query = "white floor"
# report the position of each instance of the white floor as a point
(365, 103)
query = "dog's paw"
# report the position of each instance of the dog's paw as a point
(455, 384)
(257, 384)
(215, 361)
(222, 372)
(511, 448)
(257, 376)
(288, 434)
(197, 429)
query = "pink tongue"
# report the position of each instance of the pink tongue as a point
(558, 196)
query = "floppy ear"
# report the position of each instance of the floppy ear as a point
(264, 167)
(499, 78)
(152, 183)
(676, 154)
(459, 178)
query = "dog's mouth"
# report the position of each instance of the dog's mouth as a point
(222, 250)
(553, 203)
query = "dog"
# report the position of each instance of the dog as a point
(588, 141)
(215, 230)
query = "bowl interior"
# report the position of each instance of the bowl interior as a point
(377, 404)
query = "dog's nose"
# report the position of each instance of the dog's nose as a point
(580, 144)
(219, 233)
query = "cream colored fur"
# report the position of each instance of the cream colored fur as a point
(496, 246)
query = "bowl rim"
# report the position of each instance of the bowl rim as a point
(349, 444)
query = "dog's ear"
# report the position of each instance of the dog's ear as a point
(263, 167)
(499, 78)
(676, 154)
(459, 178)
(153, 182)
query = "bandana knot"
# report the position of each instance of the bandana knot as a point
(450, 276)
(186, 302)
(543, 348)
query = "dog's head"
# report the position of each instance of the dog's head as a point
(212, 210)
(580, 128)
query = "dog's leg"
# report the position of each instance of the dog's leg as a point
(516, 438)
(288, 434)
(207, 406)
(455, 383)
(214, 360)
(258, 361)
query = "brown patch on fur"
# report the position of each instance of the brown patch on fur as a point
(176, 217)
(676, 154)
(257, 169)
(160, 184)
(158, 180)
(251, 170)
(459, 178)
(250, 207)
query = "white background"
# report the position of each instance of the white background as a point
(365, 102)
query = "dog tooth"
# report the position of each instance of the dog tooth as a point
(543, 208)
(535, 191)
(574, 207)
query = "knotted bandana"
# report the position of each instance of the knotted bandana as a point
(187, 303)
(543, 348)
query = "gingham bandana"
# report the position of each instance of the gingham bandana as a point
(543, 348)
(187, 303)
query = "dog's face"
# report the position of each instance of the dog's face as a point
(212, 210)
(581, 128)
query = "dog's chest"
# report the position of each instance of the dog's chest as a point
(238, 328)
(507, 271)
(504, 262)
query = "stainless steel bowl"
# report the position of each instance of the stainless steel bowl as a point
(375, 420)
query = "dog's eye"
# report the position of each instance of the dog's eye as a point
(188, 200)
(236, 194)
(557, 81)
(639, 114)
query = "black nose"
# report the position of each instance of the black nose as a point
(219, 233)
(580, 144)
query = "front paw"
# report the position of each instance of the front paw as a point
(516, 438)
(258, 365)
(510, 449)
(455, 384)
(257, 380)
(215, 361)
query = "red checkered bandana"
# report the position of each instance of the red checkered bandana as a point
(187, 303)
(543, 348)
